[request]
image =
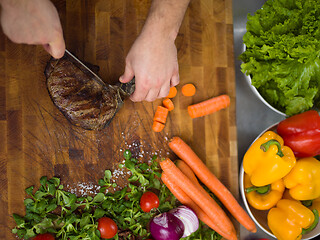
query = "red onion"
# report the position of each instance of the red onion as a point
(188, 217)
(166, 226)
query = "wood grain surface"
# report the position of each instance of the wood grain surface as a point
(36, 139)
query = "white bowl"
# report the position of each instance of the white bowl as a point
(260, 216)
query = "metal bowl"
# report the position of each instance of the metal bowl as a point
(256, 92)
(260, 216)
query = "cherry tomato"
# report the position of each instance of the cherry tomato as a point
(148, 201)
(107, 227)
(45, 236)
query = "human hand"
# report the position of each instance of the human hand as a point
(152, 60)
(33, 22)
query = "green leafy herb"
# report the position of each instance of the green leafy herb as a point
(54, 210)
(105, 182)
(283, 54)
(127, 154)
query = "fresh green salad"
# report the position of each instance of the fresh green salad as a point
(51, 209)
(282, 54)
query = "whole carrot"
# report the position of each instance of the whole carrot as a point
(184, 152)
(201, 198)
(209, 106)
(185, 200)
(186, 170)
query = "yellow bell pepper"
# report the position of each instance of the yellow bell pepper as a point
(263, 198)
(311, 204)
(289, 220)
(267, 160)
(303, 181)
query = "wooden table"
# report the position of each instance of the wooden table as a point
(37, 140)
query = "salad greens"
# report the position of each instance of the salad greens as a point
(282, 54)
(51, 209)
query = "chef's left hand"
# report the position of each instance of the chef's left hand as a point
(33, 22)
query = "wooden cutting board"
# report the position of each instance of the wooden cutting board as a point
(36, 139)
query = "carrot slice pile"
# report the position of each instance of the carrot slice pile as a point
(209, 106)
(185, 153)
(188, 90)
(161, 114)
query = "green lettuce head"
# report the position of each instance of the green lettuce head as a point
(282, 54)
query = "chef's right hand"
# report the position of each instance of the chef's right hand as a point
(153, 61)
(33, 22)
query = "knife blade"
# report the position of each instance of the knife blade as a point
(84, 68)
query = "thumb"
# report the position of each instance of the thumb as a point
(128, 75)
(56, 48)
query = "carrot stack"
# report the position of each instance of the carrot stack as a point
(186, 200)
(184, 152)
(200, 197)
(159, 119)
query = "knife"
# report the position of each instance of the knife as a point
(84, 68)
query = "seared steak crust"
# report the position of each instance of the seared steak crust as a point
(83, 101)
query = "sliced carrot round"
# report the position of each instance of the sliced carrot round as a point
(188, 90)
(172, 92)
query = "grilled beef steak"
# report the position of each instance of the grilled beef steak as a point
(83, 101)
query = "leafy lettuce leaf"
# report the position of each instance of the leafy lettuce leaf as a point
(282, 54)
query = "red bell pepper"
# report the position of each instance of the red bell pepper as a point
(301, 133)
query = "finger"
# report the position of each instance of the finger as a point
(140, 92)
(128, 74)
(56, 48)
(164, 91)
(175, 79)
(138, 96)
(152, 95)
